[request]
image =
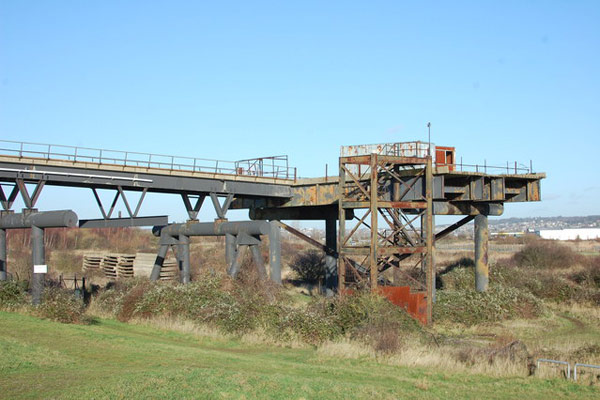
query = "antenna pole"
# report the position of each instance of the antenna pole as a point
(429, 138)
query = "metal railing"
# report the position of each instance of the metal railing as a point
(510, 168)
(584, 366)
(577, 365)
(274, 167)
(545, 360)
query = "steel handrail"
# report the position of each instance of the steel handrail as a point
(545, 360)
(148, 160)
(583, 365)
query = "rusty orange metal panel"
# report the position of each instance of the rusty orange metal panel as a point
(445, 157)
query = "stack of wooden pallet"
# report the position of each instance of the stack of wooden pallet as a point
(125, 266)
(109, 265)
(169, 270)
(118, 266)
(91, 262)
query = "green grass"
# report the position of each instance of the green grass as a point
(44, 359)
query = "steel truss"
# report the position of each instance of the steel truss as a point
(374, 184)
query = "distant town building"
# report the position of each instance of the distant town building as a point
(570, 234)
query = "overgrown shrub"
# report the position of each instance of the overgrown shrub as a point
(498, 303)
(546, 284)
(238, 307)
(546, 254)
(458, 275)
(12, 294)
(62, 306)
(589, 275)
(309, 266)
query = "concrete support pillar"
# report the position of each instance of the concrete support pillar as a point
(230, 249)
(275, 252)
(331, 273)
(184, 258)
(481, 253)
(158, 263)
(3, 274)
(38, 258)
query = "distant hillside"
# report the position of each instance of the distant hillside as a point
(535, 223)
(590, 221)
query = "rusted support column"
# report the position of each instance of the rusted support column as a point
(38, 257)
(331, 275)
(434, 270)
(342, 233)
(275, 252)
(481, 253)
(430, 271)
(374, 214)
(184, 258)
(3, 275)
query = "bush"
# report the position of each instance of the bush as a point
(12, 294)
(589, 275)
(545, 284)
(61, 305)
(498, 303)
(546, 254)
(309, 266)
(239, 307)
(458, 275)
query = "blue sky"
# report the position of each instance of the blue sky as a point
(499, 80)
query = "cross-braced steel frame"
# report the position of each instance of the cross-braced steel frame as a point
(374, 184)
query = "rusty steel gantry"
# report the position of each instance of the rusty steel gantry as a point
(374, 183)
(400, 186)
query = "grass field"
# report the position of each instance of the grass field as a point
(108, 359)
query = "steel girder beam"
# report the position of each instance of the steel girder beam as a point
(298, 213)
(7, 202)
(124, 222)
(158, 183)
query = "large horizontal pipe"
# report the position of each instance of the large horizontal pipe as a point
(44, 219)
(214, 229)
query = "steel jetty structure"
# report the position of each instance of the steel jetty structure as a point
(379, 211)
